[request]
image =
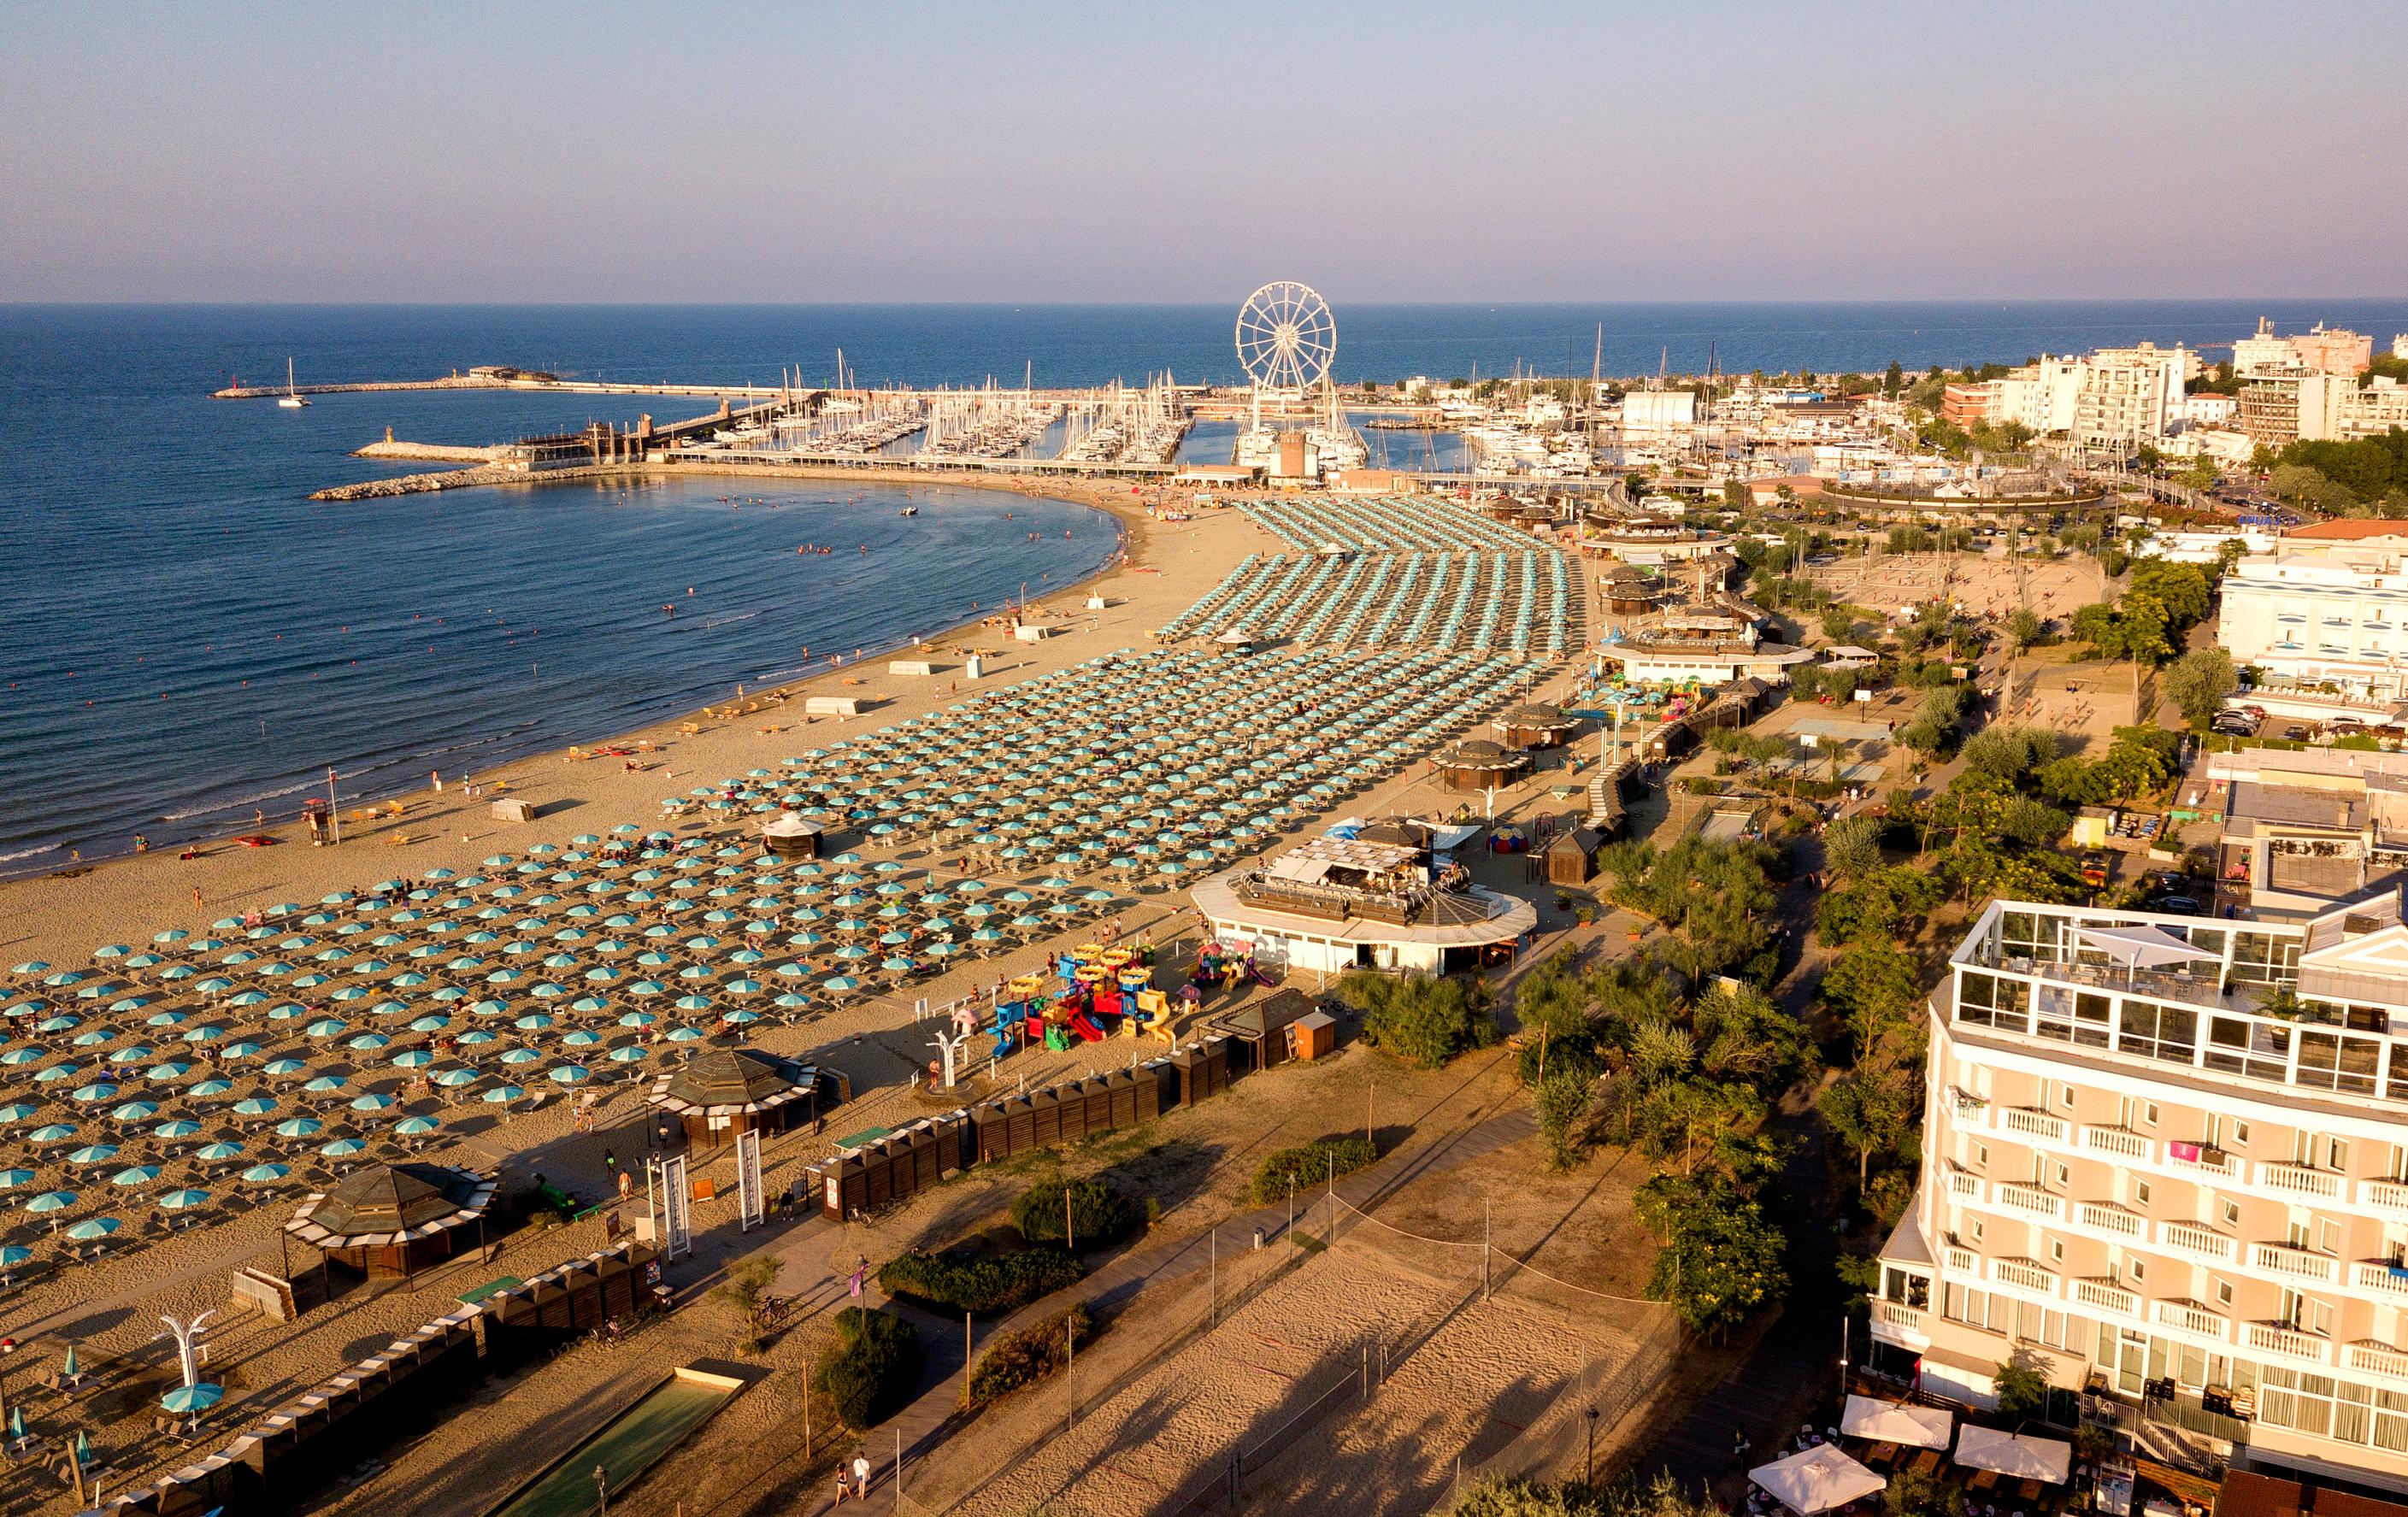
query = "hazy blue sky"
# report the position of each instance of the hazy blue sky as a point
(1471, 150)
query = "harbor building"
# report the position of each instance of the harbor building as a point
(2165, 1163)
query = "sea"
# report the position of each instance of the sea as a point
(187, 641)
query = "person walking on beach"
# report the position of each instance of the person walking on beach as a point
(861, 1475)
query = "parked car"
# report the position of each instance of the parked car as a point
(2297, 733)
(2347, 723)
(2094, 869)
(2177, 906)
(2233, 724)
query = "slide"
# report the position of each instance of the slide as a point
(1085, 1027)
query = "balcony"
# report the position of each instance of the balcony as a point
(1961, 1260)
(2196, 1160)
(2122, 1142)
(1897, 1316)
(2101, 1291)
(1967, 1105)
(2376, 1358)
(2025, 1275)
(2295, 1264)
(2193, 1317)
(2287, 1340)
(2301, 1179)
(2384, 1196)
(2029, 1200)
(1963, 1184)
(2198, 1241)
(2108, 1217)
(2380, 1275)
(2028, 1122)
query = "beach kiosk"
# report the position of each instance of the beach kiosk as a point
(726, 1093)
(390, 1221)
(789, 837)
(1477, 764)
(1572, 858)
(1537, 725)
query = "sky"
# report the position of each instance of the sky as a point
(1687, 149)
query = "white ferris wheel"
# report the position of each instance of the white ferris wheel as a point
(1286, 337)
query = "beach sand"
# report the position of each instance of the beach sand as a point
(109, 1308)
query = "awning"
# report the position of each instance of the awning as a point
(2141, 947)
(2012, 1453)
(1887, 1421)
(1817, 1480)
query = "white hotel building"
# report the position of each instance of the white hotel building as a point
(2320, 620)
(2155, 1176)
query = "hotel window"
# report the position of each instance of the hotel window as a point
(2231, 1212)
(2056, 1251)
(2159, 1032)
(2240, 1134)
(2224, 1292)
(2328, 1061)
(2256, 1048)
(2064, 1174)
(1988, 1001)
(2140, 1192)
(2263, 958)
(2070, 1016)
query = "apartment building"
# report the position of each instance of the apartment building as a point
(2166, 1162)
(2373, 410)
(2124, 397)
(2304, 830)
(2321, 620)
(2327, 351)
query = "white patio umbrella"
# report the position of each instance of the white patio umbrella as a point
(1887, 1421)
(1816, 1479)
(2141, 947)
(2015, 1454)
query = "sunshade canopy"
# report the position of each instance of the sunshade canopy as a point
(1886, 1422)
(1816, 1479)
(2017, 1454)
(2142, 947)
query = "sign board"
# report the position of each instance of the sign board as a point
(750, 1209)
(668, 1215)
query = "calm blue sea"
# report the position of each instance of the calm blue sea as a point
(184, 637)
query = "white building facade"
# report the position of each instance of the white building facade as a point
(2321, 620)
(2165, 1160)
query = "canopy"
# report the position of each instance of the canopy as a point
(2015, 1454)
(1816, 1479)
(2141, 947)
(1886, 1422)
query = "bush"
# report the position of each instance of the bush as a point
(979, 1282)
(1424, 1019)
(869, 1372)
(1309, 1166)
(1018, 1360)
(1098, 1214)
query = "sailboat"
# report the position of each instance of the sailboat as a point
(291, 400)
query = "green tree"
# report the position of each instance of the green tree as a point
(2025, 628)
(2022, 1391)
(1852, 848)
(1892, 378)
(1424, 1019)
(1872, 982)
(1721, 1261)
(1867, 1117)
(2198, 681)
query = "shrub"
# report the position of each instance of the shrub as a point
(869, 1372)
(1309, 1166)
(1098, 1214)
(1018, 1360)
(1424, 1019)
(979, 1282)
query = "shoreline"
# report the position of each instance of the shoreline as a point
(1131, 523)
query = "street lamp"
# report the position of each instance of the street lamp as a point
(601, 1489)
(8, 1347)
(1588, 1459)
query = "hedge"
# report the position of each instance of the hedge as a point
(871, 1369)
(1016, 1361)
(979, 1282)
(1098, 1214)
(1311, 1166)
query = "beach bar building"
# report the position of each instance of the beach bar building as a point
(1537, 725)
(1337, 904)
(723, 1094)
(790, 836)
(390, 1221)
(1476, 764)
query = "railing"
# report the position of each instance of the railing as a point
(2300, 1180)
(2280, 1338)
(1897, 1315)
(2190, 1237)
(1965, 1103)
(2378, 1358)
(2210, 1161)
(2113, 1219)
(2024, 1275)
(2031, 1123)
(2389, 1194)
(2380, 1275)
(2120, 1142)
(1964, 1184)
(2192, 1318)
(1962, 1260)
(2297, 1264)
(2031, 1199)
(2107, 1295)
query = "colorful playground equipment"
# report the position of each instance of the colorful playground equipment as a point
(1091, 991)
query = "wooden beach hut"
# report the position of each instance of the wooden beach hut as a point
(726, 1093)
(388, 1221)
(1477, 764)
(1536, 725)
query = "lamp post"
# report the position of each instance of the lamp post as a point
(601, 1489)
(8, 1347)
(1589, 1458)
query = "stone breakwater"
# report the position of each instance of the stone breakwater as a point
(420, 484)
(430, 453)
